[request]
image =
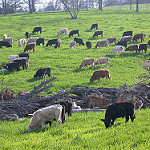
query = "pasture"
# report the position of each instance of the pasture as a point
(64, 62)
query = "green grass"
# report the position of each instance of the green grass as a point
(64, 62)
(81, 131)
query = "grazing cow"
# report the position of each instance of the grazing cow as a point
(118, 48)
(112, 39)
(100, 74)
(11, 66)
(79, 40)
(94, 26)
(24, 55)
(43, 71)
(88, 44)
(29, 47)
(47, 114)
(117, 110)
(126, 38)
(50, 42)
(22, 61)
(102, 43)
(122, 43)
(4, 43)
(73, 32)
(22, 42)
(132, 48)
(39, 41)
(37, 29)
(86, 62)
(98, 33)
(12, 57)
(27, 35)
(8, 39)
(73, 44)
(148, 43)
(127, 33)
(63, 31)
(31, 40)
(58, 43)
(101, 60)
(139, 36)
(143, 47)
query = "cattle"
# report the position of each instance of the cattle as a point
(122, 43)
(12, 57)
(126, 38)
(8, 39)
(79, 40)
(102, 43)
(98, 33)
(117, 110)
(63, 31)
(112, 39)
(12, 66)
(37, 29)
(24, 55)
(148, 43)
(50, 42)
(29, 47)
(101, 60)
(87, 61)
(94, 26)
(32, 39)
(100, 74)
(127, 33)
(139, 36)
(27, 35)
(22, 61)
(4, 36)
(58, 43)
(73, 32)
(47, 114)
(43, 71)
(89, 44)
(39, 41)
(22, 42)
(143, 47)
(118, 49)
(72, 44)
(4, 43)
(132, 48)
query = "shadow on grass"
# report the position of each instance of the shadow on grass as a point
(34, 79)
(88, 30)
(82, 69)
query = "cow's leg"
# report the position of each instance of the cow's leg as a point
(132, 117)
(112, 122)
(43, 125)
(127, 118)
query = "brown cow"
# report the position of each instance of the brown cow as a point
(29, 47)
(139, 36)
(100, 74)
(132, 48)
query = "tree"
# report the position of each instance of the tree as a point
(15, 4)
(100, 4)
(137, 5)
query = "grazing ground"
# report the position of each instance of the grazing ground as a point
(64, 62)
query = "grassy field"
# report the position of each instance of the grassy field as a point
(81, 131)
(64, 62)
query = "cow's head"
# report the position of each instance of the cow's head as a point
(107, 123)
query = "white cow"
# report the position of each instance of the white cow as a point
(63, 31)
(118, 48)
(101, 60)
(73, 44)
(32, 39)
(13, 57)
(22, 42)
(86, 62)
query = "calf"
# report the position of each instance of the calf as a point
(122, 43)
(29, 47)
(37, 29)
(72, 44)
(101, 60)
(87, 61)
(43, 71)
(88, 44)
(94, 26)
(132, 48)
(100, 74)
(27, 35)
(98, 33)
(127, 33)
(22, 42)
(50, 42)
(79, 40)
(143, 47)
(63, 31)
(139, 36)
(39, 41)
(73, 32)
(58, 43)
(102, 43)
(31, 40)
(117, 110)
(118, 48)
(4, 43)
(112, 39)
(12, 66)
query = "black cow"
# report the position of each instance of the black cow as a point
(98, 33)
(88, 44)
(78, 40)
(73, 32)
(24, 55)
(124, 43)
(4, 43)
(39, 41)
(117, 110)
(27, 34)
(50, 42)
(37, 29)
(12, 66)
(43, 71)
(143, 47)
(94, 26)
(127, 33)
(22, 61)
